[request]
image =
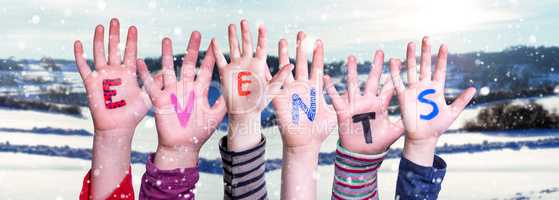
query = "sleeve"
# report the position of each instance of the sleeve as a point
(168, 184)
(355, 175)
(243, 172)
(418, 182)
(124, 190)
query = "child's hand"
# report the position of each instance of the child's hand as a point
(115, 99)
(117, 105)
(183, 116)
(304, 117)
(423, 106)
(305, 120)
(247, 85)
(355, 111)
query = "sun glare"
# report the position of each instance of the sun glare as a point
(443, 16)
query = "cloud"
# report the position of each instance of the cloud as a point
(344, 26)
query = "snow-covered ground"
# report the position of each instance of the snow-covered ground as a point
(470, 176)
(487, 175)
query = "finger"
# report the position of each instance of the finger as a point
(462, 101)
(440, 69)
(148, 81)
(277, 81)
(169, 76)
(337, 101)
(159, 80)
(219, 58)
(317, 61)
(352, 80)
(397, 132)
(267, 73)
(395, 65)
(371, 87)
(131, 50)
(247, 39)
(114, 41)
(386, 93)
(99, 47)
(289, 79)
(345, 97)
(399, 125)
(284, 58)
(425, 69)
(81, 63)
(190, 58)
(219, 106)
(282, 74)
(410, 60)
(261, 49)
(206, 68)
(301, 66)
(234, 51)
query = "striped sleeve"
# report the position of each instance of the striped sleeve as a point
(243, 172)
(355, 175)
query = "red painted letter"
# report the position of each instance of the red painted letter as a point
(109, 94)
(240, 83)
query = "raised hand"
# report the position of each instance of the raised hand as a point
(183, 116)
(117, 105)
(115, 99)
(247, 85)
(363, 122)
(305, 120)
(423, 106)
(303, 115)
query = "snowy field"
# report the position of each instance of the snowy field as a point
(504, 174)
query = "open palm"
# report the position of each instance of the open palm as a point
(115, 99)
(301, 128)
(374, 103)
(246, 80)
(423, 106)
(183, 115)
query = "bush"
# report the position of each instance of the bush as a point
(10, 65)
(8, 79)
(14, 103)
(513, 116)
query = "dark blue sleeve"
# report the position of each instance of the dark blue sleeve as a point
(418, 182)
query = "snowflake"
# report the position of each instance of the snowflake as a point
(484, 91)
(101, 5)
(35, 19)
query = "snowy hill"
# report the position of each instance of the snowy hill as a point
(38, 145)
(496, 173)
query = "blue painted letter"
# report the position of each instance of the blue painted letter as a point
(298, 103)
(421, 98)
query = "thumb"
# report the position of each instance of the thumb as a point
(274, 86)
(462, 101)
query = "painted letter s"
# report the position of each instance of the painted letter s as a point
(421, 98)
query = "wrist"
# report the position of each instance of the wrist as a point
(244, 131)
(307, 151)
(115, 133)
(244, 118)
(168, 158)
(111, 159)
(299, 172)
(117, 140)
(300, 159)
(420, 151)
(341, 149)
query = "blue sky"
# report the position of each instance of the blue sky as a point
(37, 28)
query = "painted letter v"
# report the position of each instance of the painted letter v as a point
(184, 114)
